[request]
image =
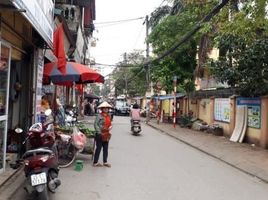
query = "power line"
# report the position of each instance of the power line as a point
(161, 3)
(109, 65)
(138, 37)
(119, 21)
(187, 36)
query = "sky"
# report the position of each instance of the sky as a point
(114, 39)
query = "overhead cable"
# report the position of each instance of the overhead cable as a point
(119, 21)
(187, 36)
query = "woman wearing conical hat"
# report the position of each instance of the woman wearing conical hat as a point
(102, 126)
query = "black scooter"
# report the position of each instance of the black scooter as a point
(135, 127)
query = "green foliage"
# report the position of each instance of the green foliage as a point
(245, 66)
(89, 132)
(182, 61)
(158, 15)
(95, 89)
(240, 32)
(129, 77)
(243, 49)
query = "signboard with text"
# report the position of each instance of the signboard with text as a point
(222, 109)
(254, 110)
(39, 80)
(40, 14)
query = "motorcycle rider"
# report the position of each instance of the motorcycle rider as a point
(134, 114)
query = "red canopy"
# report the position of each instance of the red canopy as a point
(75, 73)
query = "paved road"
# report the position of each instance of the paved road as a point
(154, 166)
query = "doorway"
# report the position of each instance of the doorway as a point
(5, 54)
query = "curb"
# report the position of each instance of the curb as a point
(210, 154)
(12, 184)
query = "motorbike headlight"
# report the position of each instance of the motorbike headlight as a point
(26, 162)
(45, 158)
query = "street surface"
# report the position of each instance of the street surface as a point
(154, 166)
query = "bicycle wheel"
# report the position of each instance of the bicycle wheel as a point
(66, 153)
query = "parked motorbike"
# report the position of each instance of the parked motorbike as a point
(41, 160)
(71, 115)
(135, 127)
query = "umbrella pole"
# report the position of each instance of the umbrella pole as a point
(67, 91)
(54, 106)
(74, 93)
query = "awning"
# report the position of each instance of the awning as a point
(165, 97)
(91, 96)
(50, 55)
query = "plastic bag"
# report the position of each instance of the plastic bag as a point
(79, 139)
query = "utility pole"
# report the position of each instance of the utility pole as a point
(125, 74)
(148, 73)
(147, 49)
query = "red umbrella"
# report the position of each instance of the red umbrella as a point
(75, 73)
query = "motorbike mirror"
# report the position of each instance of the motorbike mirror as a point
(48, 112)
(18, 130)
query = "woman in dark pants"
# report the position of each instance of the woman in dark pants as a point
(102, 126)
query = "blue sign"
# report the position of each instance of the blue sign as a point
(254, 110)
(248, 101)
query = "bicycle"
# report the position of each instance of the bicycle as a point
(69, 146)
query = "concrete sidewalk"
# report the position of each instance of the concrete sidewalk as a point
(11, 180)
(245, 157)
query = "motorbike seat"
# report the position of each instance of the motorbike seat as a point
(37, 152)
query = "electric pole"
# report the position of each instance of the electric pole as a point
(148, 75)
(125, 74)
(147, 49)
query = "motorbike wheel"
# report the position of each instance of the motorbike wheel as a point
(66, 154)
(42, 195)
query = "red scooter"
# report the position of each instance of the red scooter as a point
(41, 160)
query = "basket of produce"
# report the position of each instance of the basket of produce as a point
(63, 129)
(89, 132)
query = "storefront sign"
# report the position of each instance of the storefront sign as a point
(222, 109)
(254, 110)
(40, 15)
(39, 80)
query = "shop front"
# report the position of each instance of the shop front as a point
(5, 52)
(25, 33)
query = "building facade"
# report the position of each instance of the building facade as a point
(26, 44)
(26, 30)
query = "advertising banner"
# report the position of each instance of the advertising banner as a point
(254, 110)
(40, 14)
(222, 109)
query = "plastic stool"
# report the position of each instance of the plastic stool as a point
(78, 165)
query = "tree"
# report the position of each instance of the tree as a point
(243, 49)
(182, 17)
(95, 88)
(129, 75)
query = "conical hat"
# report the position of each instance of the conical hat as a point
(104, 105)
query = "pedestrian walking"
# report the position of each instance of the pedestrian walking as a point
(102, 126)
